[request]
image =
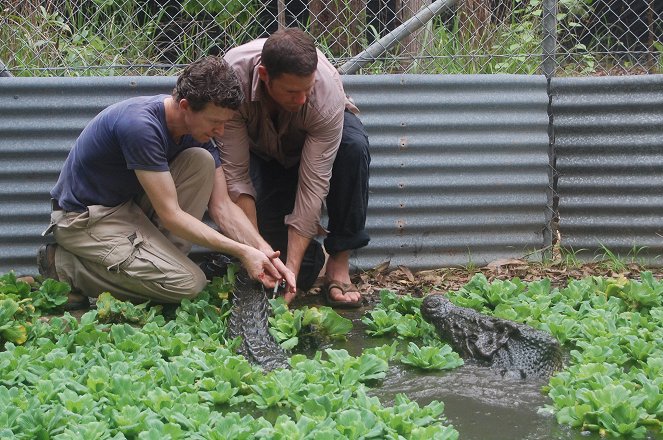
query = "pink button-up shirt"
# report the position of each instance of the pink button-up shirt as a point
(311, 136)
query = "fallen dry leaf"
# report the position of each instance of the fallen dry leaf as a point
(497, 264)
(407, 272)
(382, 267)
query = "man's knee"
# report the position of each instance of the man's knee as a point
(196, 159)
(196, 284)
(354, 147)
(352, 163)
(195, 154)
(185, 285)
(354, 153)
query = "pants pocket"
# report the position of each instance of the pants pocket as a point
(121, 251)
(174, 277)
(137, 259)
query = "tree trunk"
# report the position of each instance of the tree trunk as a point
(339, 25)
(417, 44)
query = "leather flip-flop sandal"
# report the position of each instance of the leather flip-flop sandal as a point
(343, 287)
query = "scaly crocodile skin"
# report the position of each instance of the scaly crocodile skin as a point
(249, 319)
(517, 350)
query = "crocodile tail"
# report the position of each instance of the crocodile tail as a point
(249, 319)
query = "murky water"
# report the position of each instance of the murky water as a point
(479, 403)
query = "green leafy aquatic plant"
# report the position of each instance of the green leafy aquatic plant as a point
(380, 322)
(145, 373)
(176, 375)
(432, 358)
(21, 304)
(397, 315)
(612, 328)
(11, 329)
(110, 309)
(322, 323)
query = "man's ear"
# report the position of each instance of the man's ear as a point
(184, 104)
(262, 73)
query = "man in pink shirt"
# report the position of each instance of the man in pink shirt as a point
(294, 144)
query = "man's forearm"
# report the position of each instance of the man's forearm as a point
(297, 245)
(235, 224)
(248, 205)
(231, 218)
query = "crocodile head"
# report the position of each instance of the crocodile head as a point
(517, 350)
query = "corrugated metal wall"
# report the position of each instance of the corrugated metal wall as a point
(39, 120)
(459, 167)
(609, 151)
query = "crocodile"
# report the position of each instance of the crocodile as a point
(516, 350)
(249, 317)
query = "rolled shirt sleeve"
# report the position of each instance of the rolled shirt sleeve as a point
(234, 149)
(315, 170)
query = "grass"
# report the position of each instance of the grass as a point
(470, 266)
(114, 37)
(612, 261)
(570, 257)
(123, 37)
(618, 263)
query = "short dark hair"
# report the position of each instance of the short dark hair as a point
(289, 50)
(210, 79)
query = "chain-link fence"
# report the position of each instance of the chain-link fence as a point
(148, 37)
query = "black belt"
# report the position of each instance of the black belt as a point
(55, 206)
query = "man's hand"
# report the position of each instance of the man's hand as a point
(260, 266)
(288, 276)
(269, 270)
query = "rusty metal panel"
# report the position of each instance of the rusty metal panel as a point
(459, 168)
(609, 149)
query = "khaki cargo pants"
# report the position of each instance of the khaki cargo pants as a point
(124, 250)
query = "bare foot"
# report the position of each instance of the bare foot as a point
(338, 271)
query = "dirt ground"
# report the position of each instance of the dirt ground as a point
(402, 280)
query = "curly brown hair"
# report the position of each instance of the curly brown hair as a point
(209, 79)
(289, 50)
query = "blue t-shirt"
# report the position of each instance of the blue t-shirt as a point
(127, 136)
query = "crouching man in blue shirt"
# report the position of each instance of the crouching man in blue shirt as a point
(128, 204)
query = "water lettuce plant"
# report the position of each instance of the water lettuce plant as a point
(321, 324)
(21, 304)
(399, 316)
(432, 358)
(124, 371)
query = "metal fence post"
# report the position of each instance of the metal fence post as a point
(549, 43)
(392, 38)
(548, 66)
